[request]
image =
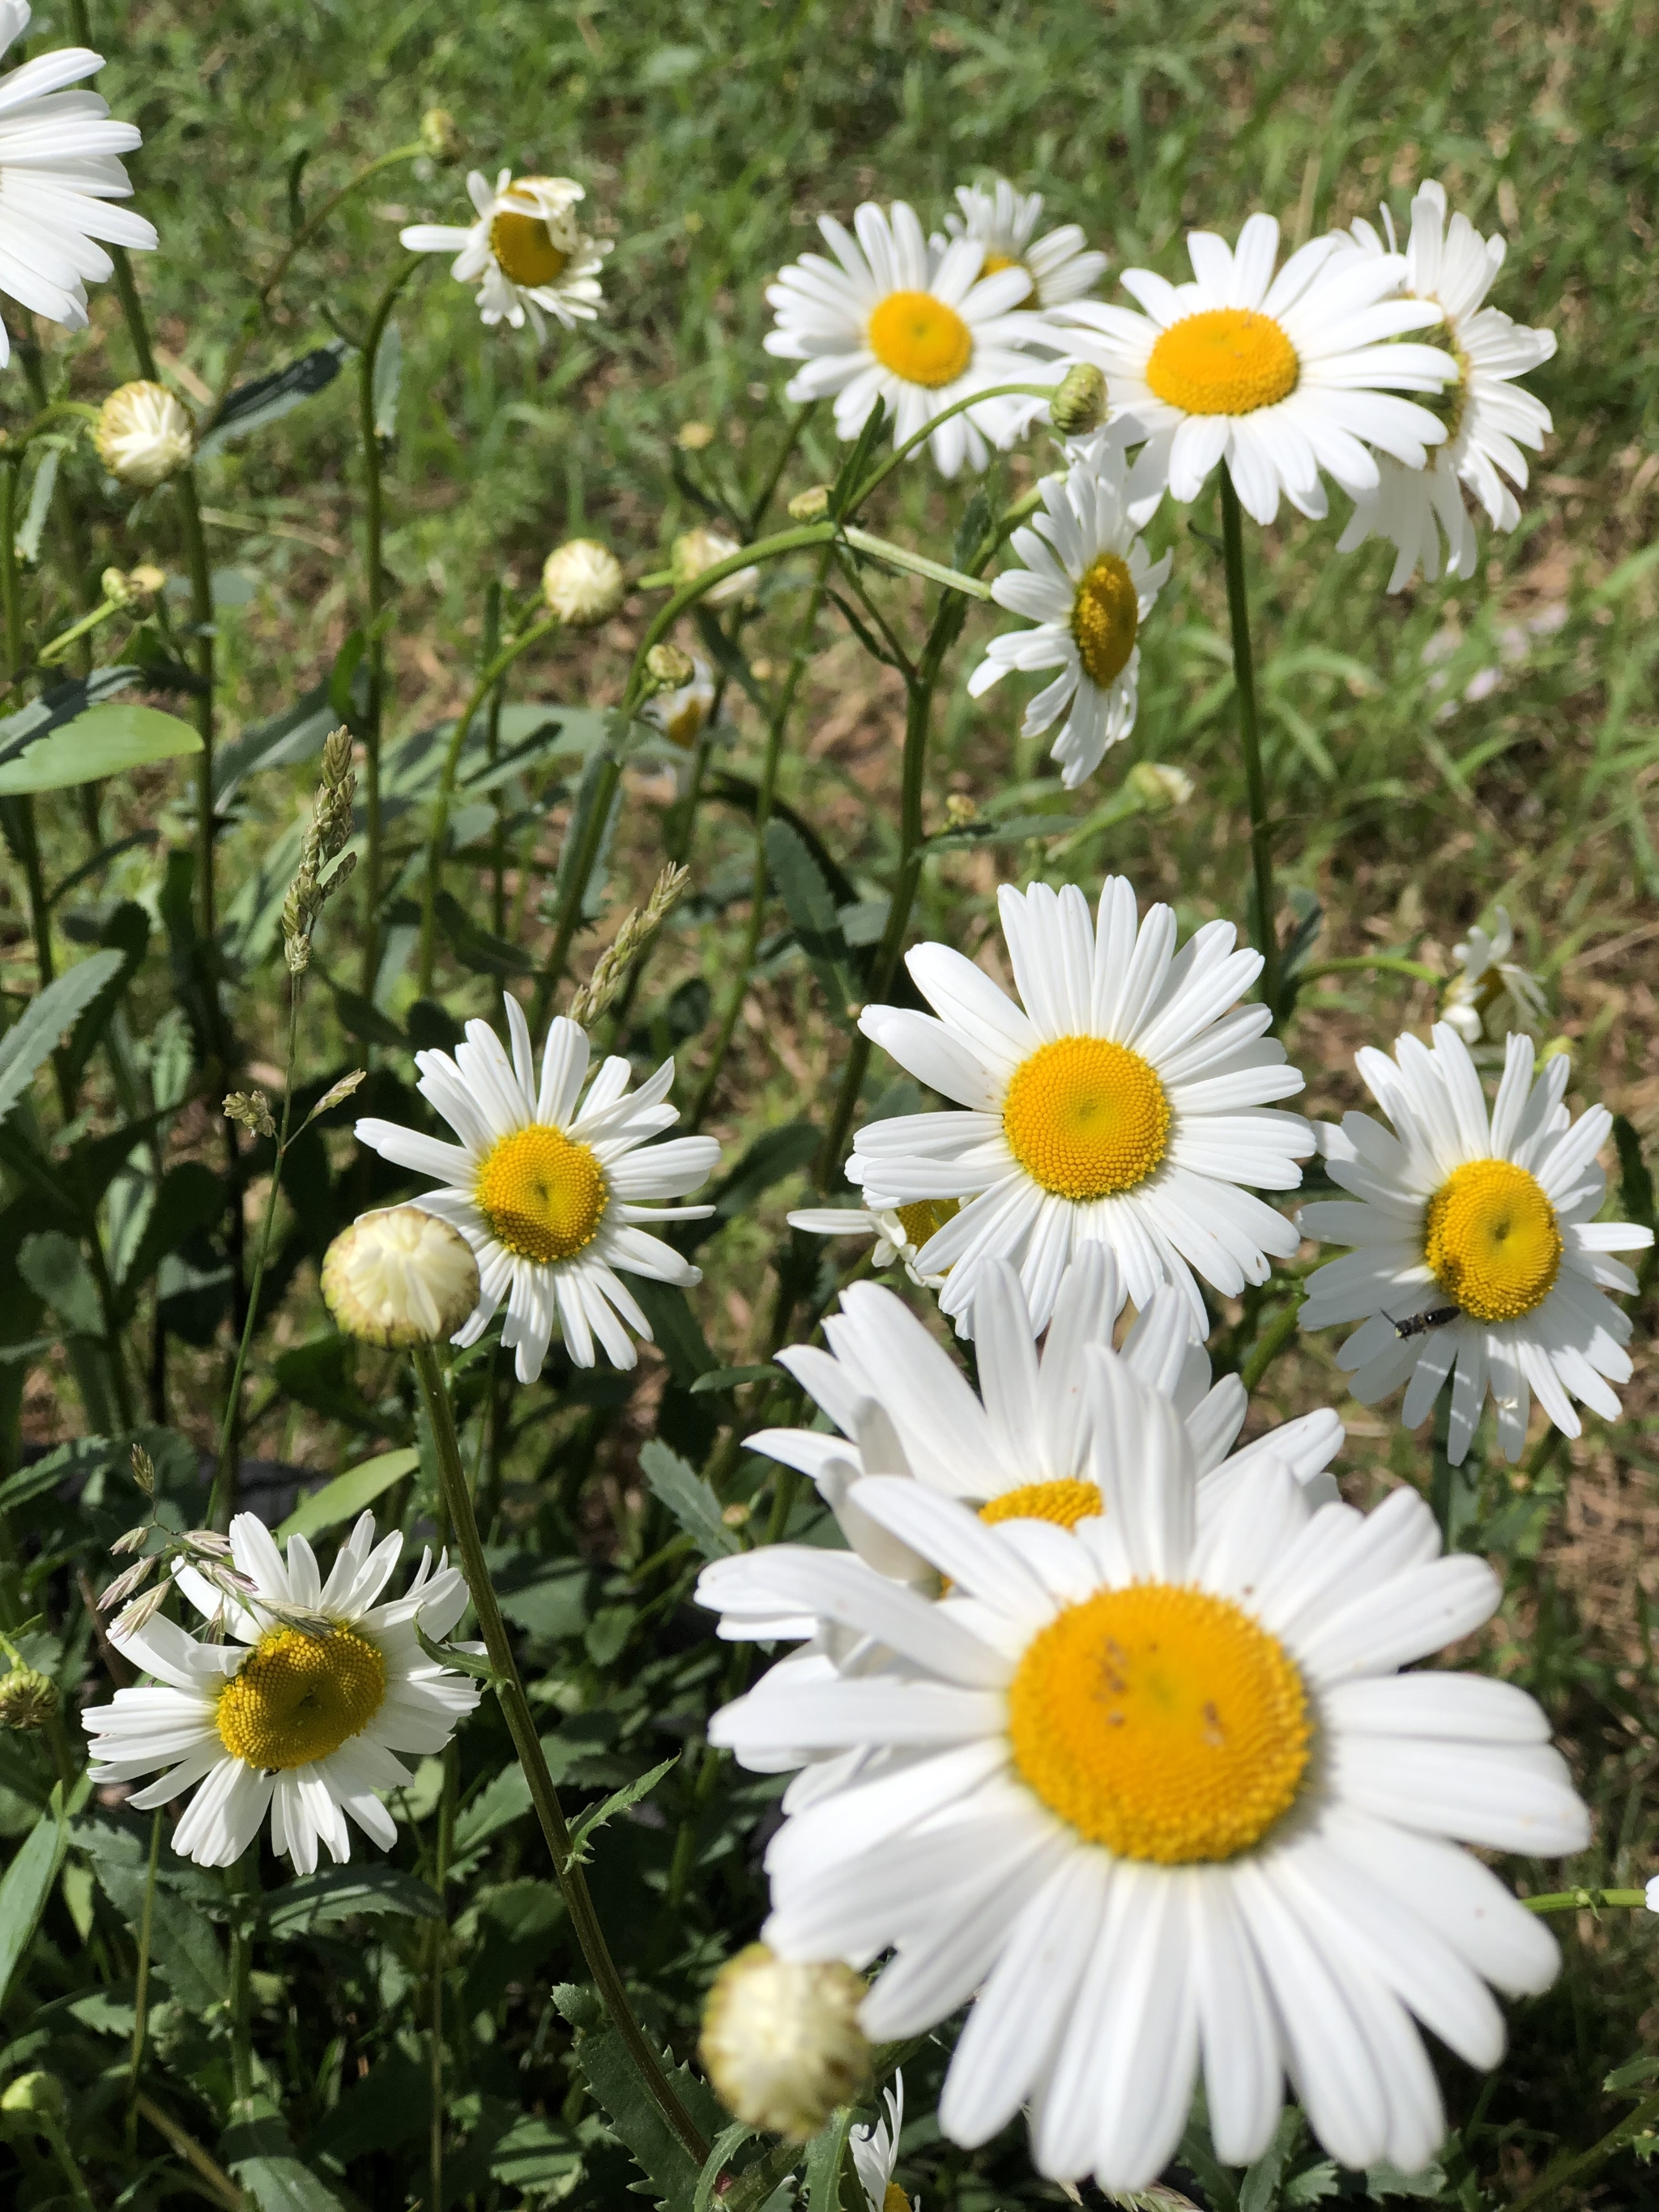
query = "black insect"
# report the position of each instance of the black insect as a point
(1420, 1324)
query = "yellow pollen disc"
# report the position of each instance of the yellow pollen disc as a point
(1065, 1503)
(1105, 615)
(1085, 1117)
(1491, 1237)
(1226, 361)
(1162, 1722)
(299, 1698)
(683, 729)
(925, 1217)
(543, 1196)
(895, 2200)
(524, 251)
(919, 339)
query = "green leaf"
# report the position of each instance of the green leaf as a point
(190, 1197)
(28, 1881)
(27, 1045)
(633, 2114)
(1313, 2183)
(1386, 2180)
(474, 946)
(34, 522)
(63, 703)
(1633, 2074)
(536, 2155)
(1260, 2188)
(590, 1823)
(728, 2139)
(777, 1154)
(126, 932)
(824, 2155)
(810, 905)
(732, 1378)
(262, 2159)
(388, 376)
(474, 1663)
(267, 398)
(348, 1493)
(856, 467)
(689, 1499)
(296, 734)
(675, 1329)
(341, 1892)
(104, 741)
(54, 1268)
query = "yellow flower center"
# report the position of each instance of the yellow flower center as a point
(299, 1698)
(925, 1217)
(1162, 1722)
(919, 339)
(1105, 615)
(1491, 1237)
(524, 249)
(1085, 1117)
(1065, 1503)
(683, 727)
(895, 2200)
(543, 1196)
(1225, 360)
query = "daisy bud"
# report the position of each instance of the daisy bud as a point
(28, 1699)
(781, 2041)
(582, 582)
(810, 505)
(668, 668)
(143, 434)
(38, 2096)
(440, 135)
(700, 549)
(693, 437)
(400, 1277)
(1079, 402)
(1159, 785)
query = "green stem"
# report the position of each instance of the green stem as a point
(583, 861)
(573, 1885)
(70, 2165)
(1585, 1900)
(763, 497)
(1261, 850)
(201, 614)
(885, 469)
(1577, 2166)
(1280, 1332)
(11, 584)
(241, 2014)
(764, 790)
(440, 1936)
(492, 643)
(1386, 963)
(141, 1987)
(184, 2145)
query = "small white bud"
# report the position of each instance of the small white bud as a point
(400, 1277)
(1159, 786)
(143, 434)
(583, 583)
(698, 550)
(781, 2041)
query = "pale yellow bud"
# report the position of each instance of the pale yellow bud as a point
(1159, 786)
(401, 1277)
(583, 583)
(143, 434)
(40, 2095)
(810, 505)
(667, 667)
(693, 437)
(440, 135)
(698, 550)
(781, 2041)
(1079, 404)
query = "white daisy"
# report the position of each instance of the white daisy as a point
(304, 1714)
(1475, 1244)
(1122, 1105)
(1492, 995)
(875, 2152)
(1152, 1794)
(900, 1231)
(884, 321)
(1491, 417)
(548, 1192)
(1278, 377)
(682, 715)
(1059, 265)
(1088, 586)
(58, 169)
(527, 250)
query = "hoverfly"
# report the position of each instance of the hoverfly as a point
(1419, 1324)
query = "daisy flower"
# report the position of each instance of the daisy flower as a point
(1492, 994)
(900, 1231)
(875, 2147)
(548, 1191)
(58, 169)
(302, 1716)
(1491, 417)
(1152, 1794)
(527, 252)
(1278, 377)
(1477, 1253)
(884, 321)
(682, 715)
(1121, 1104)
(1059, 265)
(1088, 586)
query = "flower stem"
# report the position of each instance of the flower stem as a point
(1577, 2166)
(141, 1986)
(1585, 1900)
(573, 1885)
(1249, 733)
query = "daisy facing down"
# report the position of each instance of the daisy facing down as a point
(1277, 377)
(1153, 1794)
(527, 252)
(1481, 1232)
(303, 1715)
(548, 1191)
(1088, 586)
(884, 321)
(1121, 1102)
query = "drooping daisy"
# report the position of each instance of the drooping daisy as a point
(1492, 995)
(303, 1715)
(1121, 1104)
(883, 321)
(1153, 1793)
(900, 1231)
(1088, 586)
(527, 252)
(1278, 377)
(548, 1192)
(58, 170)
(1476, 1247)
(682, 714)
(1491, 417)
(1061, 265)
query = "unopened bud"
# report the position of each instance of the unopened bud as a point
(781, 2041)
(401, 1277)
(812, 505)
(1079, 402)
(38, 2096)
(251, 1110)
(28, 1699)
(440, 135)
(583, 583)
(697, 551)
(960, 809)
(693, 437)
(143, 434)
(1158, 786)
(667, 668)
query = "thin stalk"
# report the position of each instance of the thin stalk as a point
(1249, 733)
(1280, 1332)
(883, 470)
(763, 497)
(1586, 1901)
(764, 790)
(141, 1987)
(573, 1885)
(1386, 964)
(11, 584)
(1576, 2167)
(186, 2147)
(242, 2015)
(492, 643)
(440, 1937)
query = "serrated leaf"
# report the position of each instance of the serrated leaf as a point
(824, 2156)
(474, 1663)
(590, 1823)
(1632, 2073)
(1312, 2184)
(1385, 2180)
(348, 1494)
(812, 910)
(475, 947)
(1259, 2187)
(261, 2154)
(34, 522)
(340, 1892)
(102, 742)
(29, 1882)
(689, 1499)
(188, 1198)
(728, 2140)
(27, 1045)
(267, 398)
(296, 734)
(636, 2122)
